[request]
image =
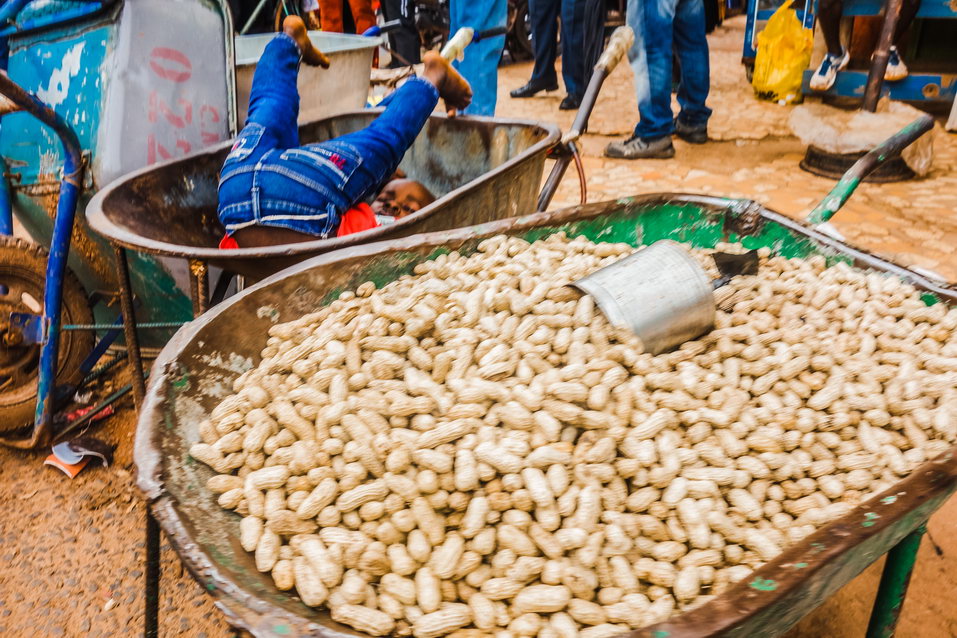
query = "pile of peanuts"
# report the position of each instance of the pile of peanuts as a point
(475, 450)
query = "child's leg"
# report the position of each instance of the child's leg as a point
(382, 144)
(274, 97)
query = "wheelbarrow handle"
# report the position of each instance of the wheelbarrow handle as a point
(863, 167)
(618, 44)
(454, 49)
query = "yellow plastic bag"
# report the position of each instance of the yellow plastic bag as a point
(784, 51)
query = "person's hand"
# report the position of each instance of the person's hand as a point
(452, 87)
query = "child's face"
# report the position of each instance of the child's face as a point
(401, 197)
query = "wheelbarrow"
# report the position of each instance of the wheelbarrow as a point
(213, 350)
(66, 71)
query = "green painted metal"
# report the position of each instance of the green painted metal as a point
(893, 588)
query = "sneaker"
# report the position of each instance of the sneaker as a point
(691, 134)
(641, 148)
(896, 69)
(826, 74)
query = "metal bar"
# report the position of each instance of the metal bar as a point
(70, 185)
(199, 286)
(153, 575)
(554, 179)
(893, 588)
(875, 78)
(101, 346)
(252, 18)
(103, 369)
(129, 326)
(893, 145)
(146, 325)
(6, 204)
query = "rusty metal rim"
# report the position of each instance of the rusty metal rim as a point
(917, 495)
(99, 222)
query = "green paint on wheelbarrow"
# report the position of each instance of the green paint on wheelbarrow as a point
(763, 584)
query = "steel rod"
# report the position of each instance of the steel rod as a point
(875, 77)
(199, 286)
(129, 326)
(893, 588)
(152, 576)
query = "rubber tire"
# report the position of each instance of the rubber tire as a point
(28, 261)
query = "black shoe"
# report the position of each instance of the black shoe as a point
(570, 103)
(534, 87)
(691, 134)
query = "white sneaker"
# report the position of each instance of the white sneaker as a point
(826, 74)
(896, 69)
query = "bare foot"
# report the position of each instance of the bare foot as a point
(295, 28)
(452, 87)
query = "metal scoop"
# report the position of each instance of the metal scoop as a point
(661, 294)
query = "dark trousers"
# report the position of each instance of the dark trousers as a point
(544, 16)
(405, 41)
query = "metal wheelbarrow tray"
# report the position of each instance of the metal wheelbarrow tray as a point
(197, 367)
(480, 168)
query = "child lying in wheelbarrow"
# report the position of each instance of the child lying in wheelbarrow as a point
(273, 191)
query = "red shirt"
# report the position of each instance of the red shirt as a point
(355, 220)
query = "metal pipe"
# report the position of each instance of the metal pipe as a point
(864, 166)
(6, 204)
(893, 588)
(252, 18)
(875, 77)
(199, 286)
(152, 576)
(129, 326)
(70, 185)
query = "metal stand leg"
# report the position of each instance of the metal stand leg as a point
(129, 326)
(152, 572)
(151, 610)
(893, 588)
(199, 286)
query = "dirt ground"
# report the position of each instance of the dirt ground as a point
(71, 553)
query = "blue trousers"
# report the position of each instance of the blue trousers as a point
(668, 27)
(480, 65)
(268, 179)
(544, 15)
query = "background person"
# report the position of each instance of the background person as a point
(829, 17)
(544, 15)
(330, 15)
(480, 66)
(668, 27)
(404, 42)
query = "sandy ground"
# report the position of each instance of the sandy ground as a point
(71, 553)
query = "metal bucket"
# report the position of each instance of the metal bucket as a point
(660, 293)
(343, 87)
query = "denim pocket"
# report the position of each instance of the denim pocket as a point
(246, 143)
(339, 160)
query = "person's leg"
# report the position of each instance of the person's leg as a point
(274, 96)
(405, 41)
(908, 12)
(656, 116)
(330, 15)
(480, 66)
(637, 58)
(896, 69)
(573, 45)
(691, 45)
(362, 15)
(543, 15)
(829, 17)
(829, 14)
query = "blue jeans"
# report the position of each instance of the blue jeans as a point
(269, 180)
(544, 17)
(668, 27)
(480, 65)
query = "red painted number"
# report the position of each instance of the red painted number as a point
(171, 64)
